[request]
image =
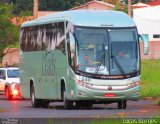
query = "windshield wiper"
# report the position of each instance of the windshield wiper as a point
(118, 65)
(98, 66)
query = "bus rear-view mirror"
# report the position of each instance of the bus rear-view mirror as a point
(146, 46)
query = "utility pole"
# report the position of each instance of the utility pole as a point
(35, 9)
(130, 8)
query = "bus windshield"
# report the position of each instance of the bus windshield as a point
(92, 50)
(107, 52)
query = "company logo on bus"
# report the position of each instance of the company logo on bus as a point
(109, 88)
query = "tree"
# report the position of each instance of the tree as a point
(55, 5)
(45, 5)
(134, 1)
(7, 1)
(111, 1)
(123, 4)
(23, 5)
(59, 5)
(8, 32)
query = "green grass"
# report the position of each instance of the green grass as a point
(155, 120)
(108, 121)
(128, 121)
(150, 78)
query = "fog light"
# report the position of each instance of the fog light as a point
(72, 93)
(80, 93)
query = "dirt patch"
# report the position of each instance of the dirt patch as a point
(157, 102)
(154, 101)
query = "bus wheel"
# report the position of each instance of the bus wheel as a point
(122, 104)
(8, 93)
(35, 102)
(67, 103)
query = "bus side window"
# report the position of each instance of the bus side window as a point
(72, 50)
(23, 39)
(48, 38)
(39, 38)
(60, 45)
(30, 33)
(2, 74)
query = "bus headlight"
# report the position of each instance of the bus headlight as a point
(81, 83)
(134, 84)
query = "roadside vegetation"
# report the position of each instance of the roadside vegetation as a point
(9, 33)
(150, 78)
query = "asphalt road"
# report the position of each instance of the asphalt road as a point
(22, 109)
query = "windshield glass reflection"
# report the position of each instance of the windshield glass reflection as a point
(124, 55)
(92, 51)
(107, 53)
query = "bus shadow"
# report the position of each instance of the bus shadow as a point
(61, 107)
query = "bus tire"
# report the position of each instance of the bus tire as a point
(8, 93)
(67, 103)
(122, 104)
(36, 103)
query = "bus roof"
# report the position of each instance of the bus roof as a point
(92, 18)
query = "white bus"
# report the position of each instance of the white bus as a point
(80, 57)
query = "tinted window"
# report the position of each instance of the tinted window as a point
(156, 36)
(13, 73)
(23, 39)
(49, 37)
(2, 74)
(60, 37)
(43, 37)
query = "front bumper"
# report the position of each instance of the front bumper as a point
(83, 93)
